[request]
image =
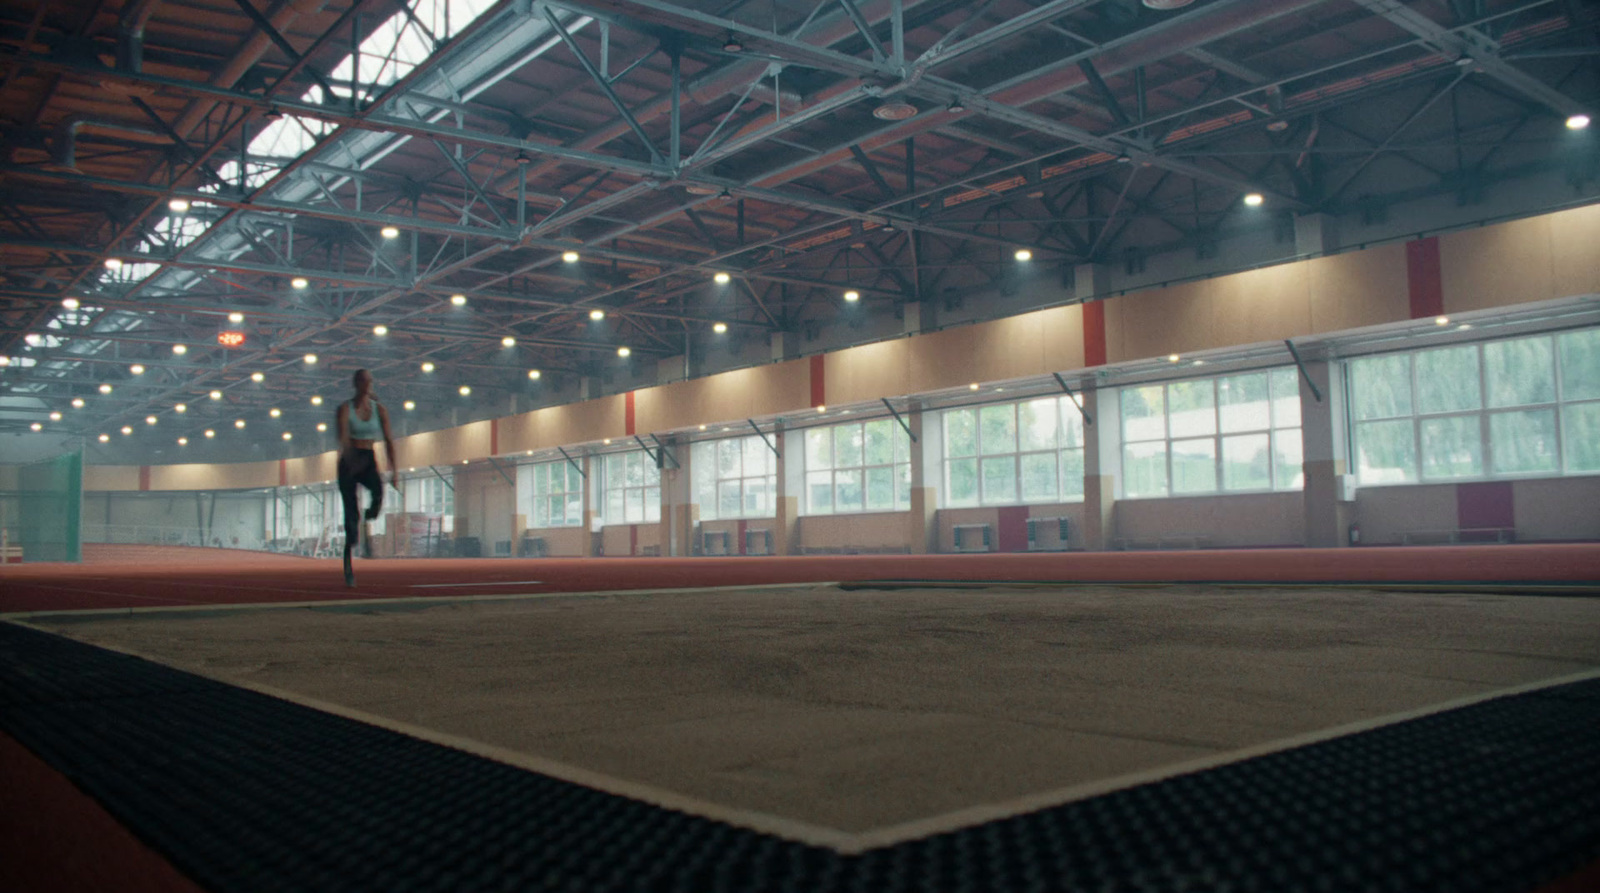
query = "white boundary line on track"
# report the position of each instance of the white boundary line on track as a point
(456, 585)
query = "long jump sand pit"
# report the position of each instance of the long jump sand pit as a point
(869, 714)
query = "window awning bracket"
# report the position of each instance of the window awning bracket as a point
(903, 423)
(1301, 365)
(573, 462)
(1087, 419)
(770, 445)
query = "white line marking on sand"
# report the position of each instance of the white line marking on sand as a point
(977, 815)
(454, 585)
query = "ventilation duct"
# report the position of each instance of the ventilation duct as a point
(64, 149)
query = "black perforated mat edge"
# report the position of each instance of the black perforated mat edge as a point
(245, 792)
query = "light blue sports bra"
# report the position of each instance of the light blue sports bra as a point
(370, 428)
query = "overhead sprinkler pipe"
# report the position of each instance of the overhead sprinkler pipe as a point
(64, 148)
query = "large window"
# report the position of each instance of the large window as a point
(1233, 433)
(1026, 452)
(1518, 407)
(858, 467)
(431, 495)
(735, 478)
(632, 489)
(557, 495)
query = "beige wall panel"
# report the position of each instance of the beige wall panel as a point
(615, 540)
(563, 542)
(1269, 304)
(1063, 338)
(319, 468)
(1155, 323)
(886, 530)
(649, 536)
(1493, 266)
(1253, 519)
(944, 359)
(447, 446)
(1386, 513)
(1358, 288)
(229, 476)
(870, 371)
(726, 396)
(1072, 511)
(1557, 509)
(110, 477)
(564, 425)
(1575, 259)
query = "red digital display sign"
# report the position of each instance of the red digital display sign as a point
(230, 339)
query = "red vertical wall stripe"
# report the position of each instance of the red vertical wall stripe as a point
(633, 539)
(819, 383)
(144, 476)
(1423, 278)
(627, 413)
(1012, 535)
(494, 437)
(742, 526)
(1094, 333)
(283, 472)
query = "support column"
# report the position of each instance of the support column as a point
(923, 532)
(1090, 281)
(591, 480)
(1102, 468)
(1327, 513)
(679, 512)
(791, 484)
(1315, 234)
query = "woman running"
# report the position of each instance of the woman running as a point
(362, 422)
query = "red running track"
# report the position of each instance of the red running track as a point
(176, 576)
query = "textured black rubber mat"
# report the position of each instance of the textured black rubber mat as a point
(245, 792)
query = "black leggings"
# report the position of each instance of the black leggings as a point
(358, 466)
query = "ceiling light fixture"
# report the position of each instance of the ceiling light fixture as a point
(257, 376)
(570, 257)
(464, 390)
(1173, 358)
(973, 386)
(1254, 199)
(732, 44)
(822, 408)
(104, 438)
(150, 420)
(181, 408)
(1441, 320)
(956, 107)
(236, 317)
(55, 416)
(390, 232)
(36, 426)
(1023, 254)
(852, 296)
(238, 423)
(210, 433)
(178, 205)
(534, 374)
(895, 110)
(410, 405)
(299, 282)
(183, 441)
(180, 349)
(288, 436)
(274, 412)
(427, 367)
(113, 263)
(1278, 126)
(1578, 121)
(322, 426)
(77, 402)
(508, 341)
(380, 330)
(597, 315)
(316, 399)
(721, 278)
(624, 351)
(105, 389)
(458, 299)
(136, 369)
(70, 303)
(216, 395)
(311, 359)
(126, 430)
(719, 327)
